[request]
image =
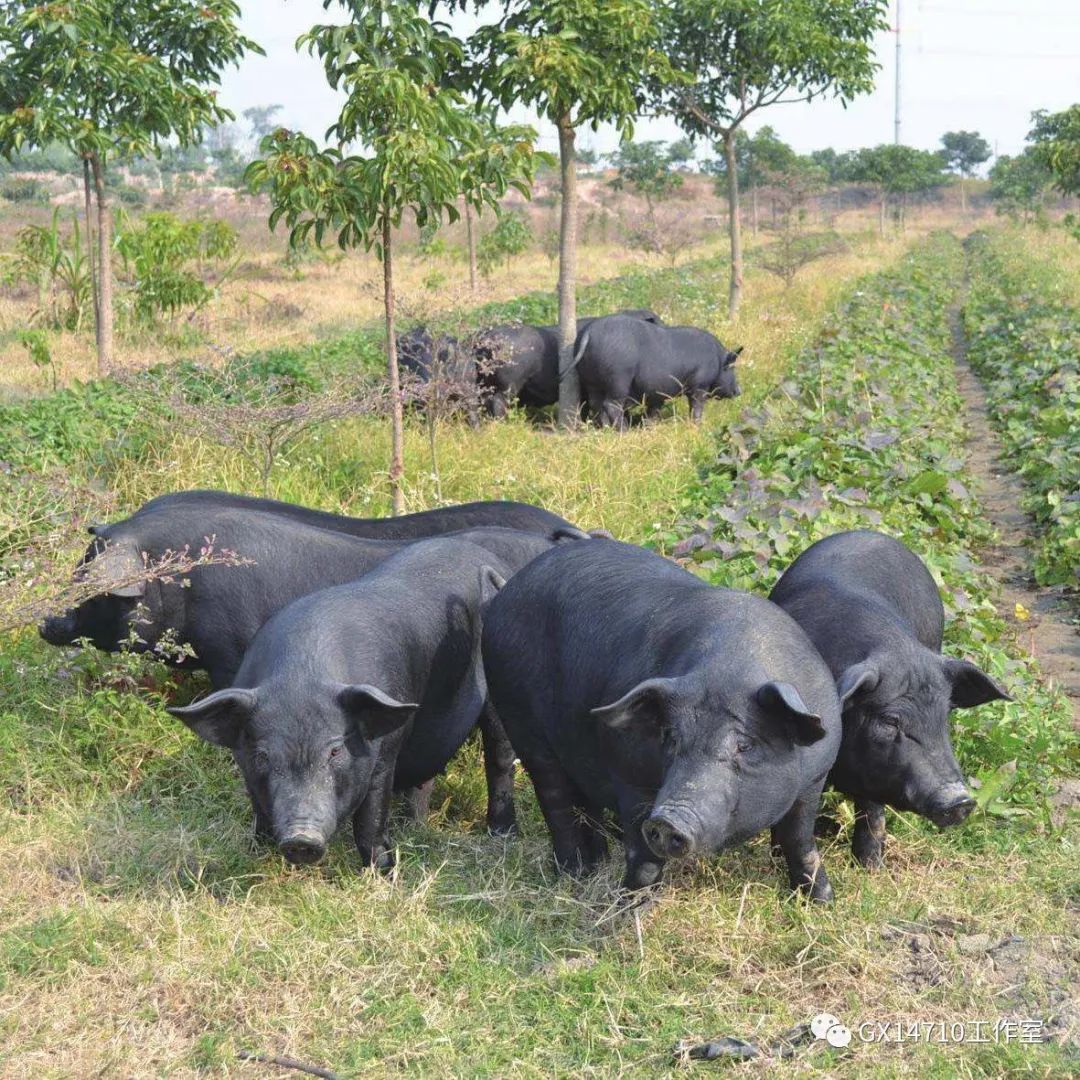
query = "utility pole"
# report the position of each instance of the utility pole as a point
(896, 121)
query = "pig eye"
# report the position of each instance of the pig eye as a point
(891, 723)
(744, 745)
(337, 751)
(261, 760)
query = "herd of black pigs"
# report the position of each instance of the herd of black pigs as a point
(351, 658)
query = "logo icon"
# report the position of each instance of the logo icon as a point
(828, 1027)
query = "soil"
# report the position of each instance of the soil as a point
(1051, 633)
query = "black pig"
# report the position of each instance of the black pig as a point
(219, 612)
(874, 613)
(356, 691)
(700, 715)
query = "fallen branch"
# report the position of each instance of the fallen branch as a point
(286, 1063)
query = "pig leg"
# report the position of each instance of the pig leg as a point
(592, 822)
(795, 834)
(697, 405)
(868, 839)
(643, 866)
(559, 800)
(371, 822)
(613, 415)
(420, 800)
(499, 760)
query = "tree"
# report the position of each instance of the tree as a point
(894, 169)
(578, 63)
(1018, 185)
(963, 152)
(424, 148)
(260, 119)
(511, 236)
(1055, 140)
(796, 247)
(769, 159)
(645, 168)
(745, 55)
(112, 79)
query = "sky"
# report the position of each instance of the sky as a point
(981, 65)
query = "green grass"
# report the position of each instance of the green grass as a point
(143, 933)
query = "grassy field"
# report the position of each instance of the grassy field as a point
(142, 933)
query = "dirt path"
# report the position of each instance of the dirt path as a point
(1051, 633)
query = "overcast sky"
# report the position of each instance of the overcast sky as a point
(980, 65)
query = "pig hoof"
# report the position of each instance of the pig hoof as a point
(576, 864)
(504, 824)
(818, 890)
(642, 876)
(381, 859)
(870, 856)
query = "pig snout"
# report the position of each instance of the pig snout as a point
(58, 629)
(950, 807)
(667, 836)
(302, 847)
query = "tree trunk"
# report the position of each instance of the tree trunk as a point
(470, 240)
(90, 260)
(569, 391)
(105, 269)
(397, 419)
(735, 289)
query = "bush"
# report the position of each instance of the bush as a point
(23, 189)
(511, 236)
(165, 257)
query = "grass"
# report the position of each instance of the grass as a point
(144, 934)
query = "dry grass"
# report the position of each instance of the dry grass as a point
(269, 303)
(627, 485)
(1056, 252)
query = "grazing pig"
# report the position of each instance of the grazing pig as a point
(445, 519)
(701, 715)
(874, 613)
(354, 692)
(622, 362)
(222, 608)
(442, 361)
(521, 363)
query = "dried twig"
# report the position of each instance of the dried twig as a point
(286, 1063)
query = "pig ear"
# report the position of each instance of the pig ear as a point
(782, 700)
(117, 569)
(491, 581)
(860, 678)
(733, 356)
(970, 686)
(219, 718)
(644, 707)
(376, 712)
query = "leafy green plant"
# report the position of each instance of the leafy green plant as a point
(511, 236)
(166, 259)
(1025, 344)
(36, 343)
(57, 265)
